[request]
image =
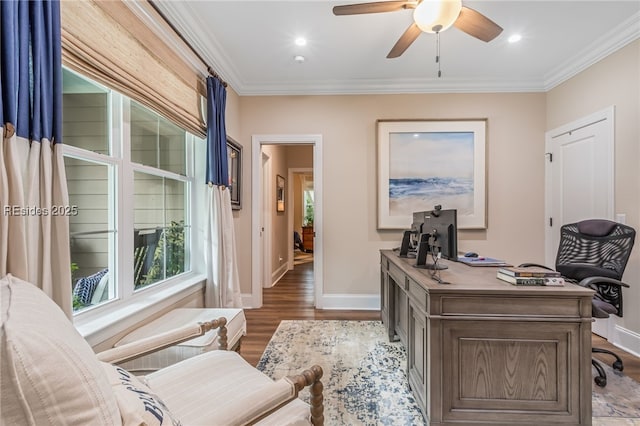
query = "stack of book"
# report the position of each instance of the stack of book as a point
(531, 275)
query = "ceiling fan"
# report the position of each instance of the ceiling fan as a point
(431, 16)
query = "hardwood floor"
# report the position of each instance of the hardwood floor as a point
(292, 299)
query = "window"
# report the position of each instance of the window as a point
(307, 200)
(129, 192)
(159, 238)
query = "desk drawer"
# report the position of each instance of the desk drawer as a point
(418, 294)
(511, 306)
(398, 276)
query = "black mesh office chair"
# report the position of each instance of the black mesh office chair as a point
(594, 253)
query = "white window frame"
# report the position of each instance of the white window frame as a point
(127, 300)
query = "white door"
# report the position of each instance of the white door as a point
(579, 178)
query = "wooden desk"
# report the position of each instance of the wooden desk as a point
(484, 352)
(307, 238)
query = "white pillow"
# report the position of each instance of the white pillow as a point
(138, 405)
(102, 291)
(49, 373)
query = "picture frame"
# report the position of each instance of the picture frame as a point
(424, 163)
(280, 190)
(234, 161)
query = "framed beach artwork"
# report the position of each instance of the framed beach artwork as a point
(424, 163)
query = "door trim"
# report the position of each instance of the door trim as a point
(265, 222)
(291, 196)
(256, 183)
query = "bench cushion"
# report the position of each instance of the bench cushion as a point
(236, 328)
(230, 378)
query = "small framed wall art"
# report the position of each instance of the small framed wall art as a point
(280, 193)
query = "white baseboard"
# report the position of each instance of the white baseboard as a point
(627, 340)
(247, 301)
(350, 301)
(358, 302)
(279, 273)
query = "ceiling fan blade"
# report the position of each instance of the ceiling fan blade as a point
(375, 7)
(405, 40)
(477, 25)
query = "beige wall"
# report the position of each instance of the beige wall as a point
(515, 174)
(279, 232)
(612, 81)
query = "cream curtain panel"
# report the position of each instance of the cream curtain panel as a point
(105, 41)
(34, 223)
(223, 281)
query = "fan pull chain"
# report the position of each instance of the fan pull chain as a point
(438, 53)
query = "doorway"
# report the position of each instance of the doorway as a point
(260, 251)
(301, 192)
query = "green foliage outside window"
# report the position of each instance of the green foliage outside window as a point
(308, 208)
(173, 241)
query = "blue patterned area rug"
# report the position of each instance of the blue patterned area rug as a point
(365, 381)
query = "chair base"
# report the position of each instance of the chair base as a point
(601, 378)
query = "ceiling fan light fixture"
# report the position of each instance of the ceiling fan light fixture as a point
(433, 16)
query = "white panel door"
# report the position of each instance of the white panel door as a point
(579, 180)
(579, 175)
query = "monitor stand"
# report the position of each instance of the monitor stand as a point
(404, 247)
(421, 256)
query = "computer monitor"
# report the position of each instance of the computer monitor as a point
(409, 244)
(438, 237)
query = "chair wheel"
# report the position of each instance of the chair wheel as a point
(618, 366)
(600, 381)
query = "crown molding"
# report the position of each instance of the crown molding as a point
(617, 38)
(372, 87)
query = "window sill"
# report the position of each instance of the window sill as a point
(102, 323)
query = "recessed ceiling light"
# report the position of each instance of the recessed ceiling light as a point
(514, 38)
(298, 58)
(301, 41)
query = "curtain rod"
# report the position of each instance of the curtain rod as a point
(209, 69)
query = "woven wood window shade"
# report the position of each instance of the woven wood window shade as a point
(105, 41)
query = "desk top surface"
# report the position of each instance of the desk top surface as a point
(462, 278)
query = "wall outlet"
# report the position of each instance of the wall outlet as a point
(621, 218)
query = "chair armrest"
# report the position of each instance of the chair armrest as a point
(160, 341)
(594, 282)
(257, 403)
(310, 377)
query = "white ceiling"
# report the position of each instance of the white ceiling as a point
(250, 44)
